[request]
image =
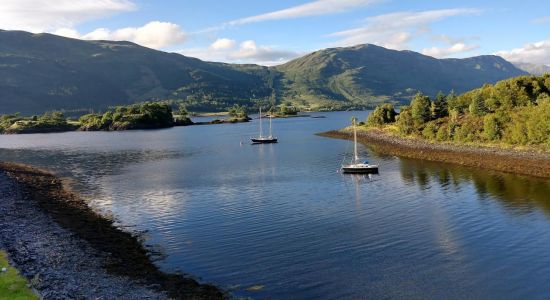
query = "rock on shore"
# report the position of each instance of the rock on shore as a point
(68, 251)
(59, 265)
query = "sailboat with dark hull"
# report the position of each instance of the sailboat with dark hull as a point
(270, 139)
(357, 166)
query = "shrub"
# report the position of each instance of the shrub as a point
(382, 115)
(429, 131)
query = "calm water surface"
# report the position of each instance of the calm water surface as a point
(281, 218)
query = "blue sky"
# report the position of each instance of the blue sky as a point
(271, 32)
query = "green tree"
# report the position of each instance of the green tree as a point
(439, 106)
(477, 107)
(182, 110)
(405, 121)
(492, 128)
(421, 109)
(381, 115)
(238, 112)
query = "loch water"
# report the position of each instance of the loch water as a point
(278, 221)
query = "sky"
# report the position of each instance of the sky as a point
(270, 32)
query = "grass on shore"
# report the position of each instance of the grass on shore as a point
(393, 130)
(12, 285)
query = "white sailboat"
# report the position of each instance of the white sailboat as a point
(356, 166)
(264, 139)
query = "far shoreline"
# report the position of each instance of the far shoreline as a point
(522, 162)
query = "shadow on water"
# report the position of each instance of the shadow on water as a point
(521, 194)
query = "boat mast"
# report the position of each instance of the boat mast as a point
(355, 156)
(270, 116)
(261, 130)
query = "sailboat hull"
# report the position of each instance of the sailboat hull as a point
(368, 169)
(264, 140)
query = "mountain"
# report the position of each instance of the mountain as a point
(40, 72)
(374, 74)
(533, 68)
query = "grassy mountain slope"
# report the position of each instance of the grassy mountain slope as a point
(40, 72)
(43, 71)
(370, 74)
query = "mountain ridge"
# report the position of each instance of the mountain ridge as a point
(40, 72)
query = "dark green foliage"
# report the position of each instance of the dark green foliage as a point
(492, 127)
(439, 106)
(515, 111)
(286, 109)
(238, 113)
(137, 116)
(182, 110)
(381, 115)
(477, 107)
(48, 122)
(421, 109)
(405, 121)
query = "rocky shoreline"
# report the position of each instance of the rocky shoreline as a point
(68, 251)
(526, 162)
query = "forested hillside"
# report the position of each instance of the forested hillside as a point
(511, 112)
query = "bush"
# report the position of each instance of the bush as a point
(430, 131)
(492, 128)
(382, 115)
(442, 133)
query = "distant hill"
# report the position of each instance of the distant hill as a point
(372, 73)
(533, 68)
(40, 72)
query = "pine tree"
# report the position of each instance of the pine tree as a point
(421, 109)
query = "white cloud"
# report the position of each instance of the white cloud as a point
(395, 30)
(541, 20)
(247, 52)
(67, 32)
(98, 34)
(223, 44)
(445, 52)
(154, 34)
(41, 15)
(535, 53)
(314, 8)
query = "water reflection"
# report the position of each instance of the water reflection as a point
(521, 194)
(83, 168)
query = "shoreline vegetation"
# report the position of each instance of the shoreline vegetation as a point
(147, 115)
(121, 254)
(505, 127)
(12, 284)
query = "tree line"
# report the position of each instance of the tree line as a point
(514, 111)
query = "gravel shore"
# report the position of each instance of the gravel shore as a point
(67, 251)
(523, 162)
